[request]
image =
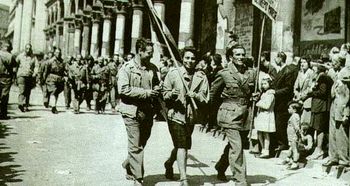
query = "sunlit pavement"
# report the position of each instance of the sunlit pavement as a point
(40, 148)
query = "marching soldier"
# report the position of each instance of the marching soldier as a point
(234, 86)
(100, 77)
(7, 69)
(67, 83)
(78, 72)
(27, 69)
(88, 94)
(54, 73)
(42, 83)
(113, 66)
(137, 80)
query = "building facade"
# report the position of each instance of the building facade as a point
(4, 17)
(107, 27)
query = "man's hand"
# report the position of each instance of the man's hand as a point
(175, 93)
(191, 94)
(154, 93)
(256, 96)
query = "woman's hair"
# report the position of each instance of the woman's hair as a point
(268, 80)
(296, 106)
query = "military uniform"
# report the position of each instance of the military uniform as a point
(135, 84)
(101, 78)
(67, 90)
(26, 72)
(7, 65)
(54, 76)
(41, 80)
(234, 87)
(80, 82)
(113, 68)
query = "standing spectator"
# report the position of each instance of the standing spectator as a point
(293, 130)
(283, 86)
(234, 85)
(54, 77)
(27, 69)
(338, 135)
(264, 122)
(302, 87)
(7, 68)
(137, 85)
(181, 114)
(320, 103)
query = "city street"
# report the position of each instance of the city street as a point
(39, 148)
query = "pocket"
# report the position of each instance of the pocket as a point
(232, 113)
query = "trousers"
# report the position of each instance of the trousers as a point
(233, 156)
(138, 132)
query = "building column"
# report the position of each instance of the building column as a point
(26, 30)
(71, 34)
(77, 35)
(66, 36)
(119, 30)
(106, 34)
(85, 48)
(94, 48)
(282, 30)
(52, 33)
(18, 27)
(186, 23)
(136, 30)
(159, 6)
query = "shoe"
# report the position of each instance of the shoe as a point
(67, 107)
(5, 117)
(221, 174)
(46, 105)
(330, 163)
(293, 166)
(264, 154)
(21, 108)
(184, 182)
(169, 172)
(318, 156)
(76, 112)
(26, 109)
(54, 110)
(138, 182)
(88, 108)
(128, 175)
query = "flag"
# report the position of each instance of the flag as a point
(159, 27)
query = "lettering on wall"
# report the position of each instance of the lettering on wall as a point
(244, 26)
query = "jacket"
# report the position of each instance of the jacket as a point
(235, 89)
(180, 110)
(135, 83)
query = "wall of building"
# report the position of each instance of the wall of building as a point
(4, 20)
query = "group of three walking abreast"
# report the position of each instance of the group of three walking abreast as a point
(139, 88)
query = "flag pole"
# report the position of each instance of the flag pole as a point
(257, 75)
(149, 3)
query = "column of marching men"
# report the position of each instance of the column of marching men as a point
(301, 107)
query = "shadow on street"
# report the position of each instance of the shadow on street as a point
(8, 171)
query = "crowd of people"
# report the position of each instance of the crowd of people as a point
(302, 106)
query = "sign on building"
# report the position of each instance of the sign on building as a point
(269, 7)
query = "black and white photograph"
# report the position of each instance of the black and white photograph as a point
(174, 92)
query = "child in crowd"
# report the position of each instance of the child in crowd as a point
(265, 119)
(293, 130)
(305, 141)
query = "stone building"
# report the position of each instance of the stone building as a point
(107, 27)
(4, 16)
